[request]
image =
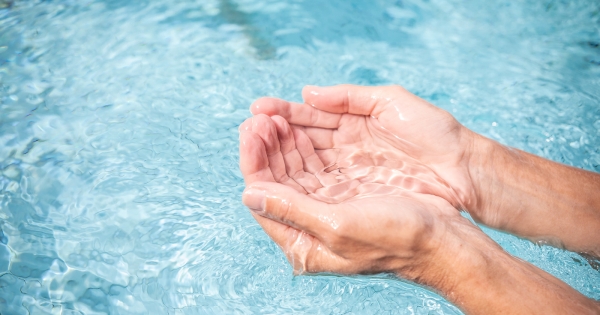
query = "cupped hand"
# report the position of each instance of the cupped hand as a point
(366, 226)
(387, 119)
(373, 197)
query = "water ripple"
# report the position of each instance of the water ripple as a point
(119, 184)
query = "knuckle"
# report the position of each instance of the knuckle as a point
(342, 232)
(336, 238)
(396, 89)
(314, 116)
(283, 208)
(447, 119)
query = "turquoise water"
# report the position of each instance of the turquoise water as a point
(119, 181)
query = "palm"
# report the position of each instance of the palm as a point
(272, 152)
(427, 134)
(387, 120)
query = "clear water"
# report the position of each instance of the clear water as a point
(119, 185)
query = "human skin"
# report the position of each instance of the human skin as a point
(414, 234)
(336, 237)
(419, 237)
(501, 187)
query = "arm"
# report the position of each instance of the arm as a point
(535, 198)
(428, 242)
(484, 279)
(500, 187)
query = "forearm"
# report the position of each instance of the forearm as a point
(481, 278)
(536, 198)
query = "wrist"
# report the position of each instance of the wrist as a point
(450, 255)
(455, 253)
(477, 275)
(485, 159)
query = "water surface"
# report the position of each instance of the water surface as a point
(119, 181)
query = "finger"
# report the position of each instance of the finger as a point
(295, 244)
(320, 138)
(246, 126)
(254, 162)
(299, 114)
(285, 205)
(266, 130)
(292, 158)
(328, 156)
(351, 99)
(313, 162)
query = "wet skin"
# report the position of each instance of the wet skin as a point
(325, 229)
(364, 180)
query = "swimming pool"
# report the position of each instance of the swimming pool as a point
(119, 181)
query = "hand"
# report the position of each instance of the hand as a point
(388, 119)
(383, 222)
(501, 187)
(381, 227)
(375, 228)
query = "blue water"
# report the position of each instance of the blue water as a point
(119, 181)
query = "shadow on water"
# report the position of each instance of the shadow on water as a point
(6, 4)
(354, 20)
(231, 13)
(357, 19)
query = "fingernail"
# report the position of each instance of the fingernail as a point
(254, 199)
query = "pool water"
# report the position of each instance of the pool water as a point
(119, 181)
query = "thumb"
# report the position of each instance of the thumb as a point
(351, 99)
(288, 206)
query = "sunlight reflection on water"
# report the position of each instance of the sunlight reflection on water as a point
(119, 184)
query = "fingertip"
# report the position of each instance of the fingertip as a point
(256, 106)
(264, 126)
(260, 105)
(261, 121)
(267, 105)
(310, 88)
(254, 199)
(253, 155)
(245, 126)
(309, 93)
(247, 139)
